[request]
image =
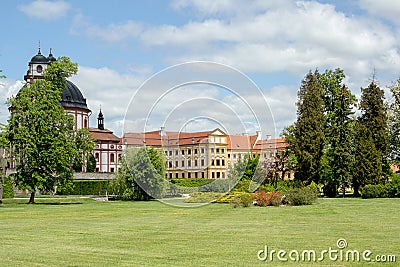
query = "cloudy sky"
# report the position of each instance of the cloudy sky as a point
(123, 48)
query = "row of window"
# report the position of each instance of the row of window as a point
(112, 157)
(195, 151)
(214, 162)
(214, 175)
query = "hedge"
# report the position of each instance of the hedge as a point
(91, 188)
(190, 182)
(8, 190)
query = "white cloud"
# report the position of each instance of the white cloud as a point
(389, 9)
(108, 88)
(8, 88)
(44, 9)
(112, 33)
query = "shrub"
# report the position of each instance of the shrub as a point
(203, 197)
(264, 199)
(376, 191)
(90, 188)
(301, 196)
(243, 200)
(8, 189)
(190, 182)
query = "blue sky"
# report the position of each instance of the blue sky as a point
(120, 44)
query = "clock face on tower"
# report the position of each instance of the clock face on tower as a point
(39, 68)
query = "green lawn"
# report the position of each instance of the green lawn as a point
(83, 232)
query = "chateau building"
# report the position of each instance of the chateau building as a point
(206, 154)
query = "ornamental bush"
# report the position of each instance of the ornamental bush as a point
(264, 199)
(8, 189)
(242, 200)
(301, 196)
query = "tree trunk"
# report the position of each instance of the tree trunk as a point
(32, 198)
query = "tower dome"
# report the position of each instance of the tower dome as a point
(72, 97)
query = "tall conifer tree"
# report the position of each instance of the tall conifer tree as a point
(308, 141)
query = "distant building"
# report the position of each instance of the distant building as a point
(206, 154)
(108, 149)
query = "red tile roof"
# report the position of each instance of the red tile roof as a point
(103, 135)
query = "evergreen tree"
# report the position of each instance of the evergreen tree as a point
(372, 138)
(308, 141)
(41, 133)
(338, 152)
(394, 123)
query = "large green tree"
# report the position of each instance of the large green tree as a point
(371, 132)
(41, 133)
(141, 175)
(308, 140)
(338, 153)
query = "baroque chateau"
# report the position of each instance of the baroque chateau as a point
(206, 154)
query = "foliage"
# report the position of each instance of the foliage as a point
(203, 197)
(394, 122)
(218, 186)
(41, 132)
(301, 196)
(191, 182)
(86, 188)
(91, 163)
(338, 153)
(308, 140)
(388, 189)
(264, 199)
(8, 189)
(368, 160)
(244, 200)
(141, 176)
(85, 144)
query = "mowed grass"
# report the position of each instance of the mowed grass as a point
(83, 232)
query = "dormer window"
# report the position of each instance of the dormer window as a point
(39, 68)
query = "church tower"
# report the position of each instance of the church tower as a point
(100, 121)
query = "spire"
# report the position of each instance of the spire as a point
(100, 120)
(39, 49)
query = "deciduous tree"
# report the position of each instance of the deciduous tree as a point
(41, 133)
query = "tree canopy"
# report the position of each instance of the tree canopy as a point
(41, 133)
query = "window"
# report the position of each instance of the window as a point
(223, 175)
(39, 68)
(176, 164)
(196, 175)
(213, 175)
(176, 175)
(223, 162)
(176, 152)
(170, 152)
(183, 175)
(202, 150)
(189, 175)
(218, 175)
(195, 162)
(217, 150)
(112, 170)
(202, 162)
(212, 150)
(183, 163)
(195, 151)
(96, 156)
(202, 174)
(218, 162)
(189, 151)
(170, 175)
(183, 152)
(212, 162)
(222, 150)
(229, 156)
(112, 159)
(169, 164)
(189, 163)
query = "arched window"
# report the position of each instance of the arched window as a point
(112, 158)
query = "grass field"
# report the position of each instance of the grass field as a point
(83, 232)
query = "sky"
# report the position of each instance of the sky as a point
(195, 65)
